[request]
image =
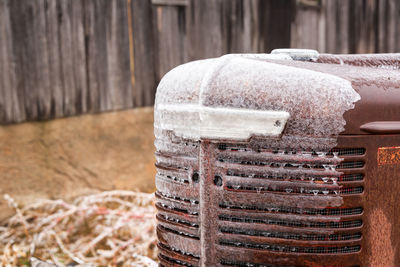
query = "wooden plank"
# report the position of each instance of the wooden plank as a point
(53, 15)
(10, 109)
(392, 21)
(251, 35)
(205, 29)
(119, 86)
(169, 23)
(366, 11)
(28, 30)
(232, 26)
(305, 28)
(279, 28)
(95, 55)
(170, 2)
(342, 23)
(336, 31)
(79, 56)
(66, 57)
(141, 30)
(109, 76)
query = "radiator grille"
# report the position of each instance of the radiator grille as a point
(248, 220)
(269, 200)
(178, 203)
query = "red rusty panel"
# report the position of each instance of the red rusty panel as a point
(388, 155)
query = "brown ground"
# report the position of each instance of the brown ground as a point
(68, 157)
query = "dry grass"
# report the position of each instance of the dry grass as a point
(114, 228)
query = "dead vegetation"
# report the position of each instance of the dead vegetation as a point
(113, 228)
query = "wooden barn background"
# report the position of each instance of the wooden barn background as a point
(64, 57)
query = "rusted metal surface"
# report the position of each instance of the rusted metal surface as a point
(287, 201)
(389, 155)
(385, 61)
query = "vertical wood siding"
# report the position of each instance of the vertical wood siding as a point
(64, 57)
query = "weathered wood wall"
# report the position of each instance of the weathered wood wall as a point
(64, 57)
(347, 26)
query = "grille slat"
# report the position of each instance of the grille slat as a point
(314, 188)
(293, 236)
(172, 250)
(177, 232)
(347, 177)
(285, 210)
(173, 177)
(181, 223)
(176, 209)
(332, 152)
(300, 164)
(167, 186)
(162, 195)
(292, 249)
(293, 223)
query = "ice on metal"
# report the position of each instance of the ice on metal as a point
(239, 96)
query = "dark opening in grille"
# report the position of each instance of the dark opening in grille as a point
(233, 147)
(188, 143)
(306, 211)
(167, 207)
(351, 177)
(292, 249)
(348, 151)
(294, 236)
(305, 224)
(178, 251)
(350, 165)
(174, 261)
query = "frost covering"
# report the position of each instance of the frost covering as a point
(256, 89)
